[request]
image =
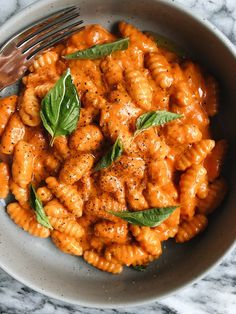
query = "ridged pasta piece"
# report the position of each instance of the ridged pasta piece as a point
(212, 97)
(44, 194)
(148, 239)
(214, 161)
(13, 133)
(169, 227)
(181, 133)
(189, 229)
(66, 244)
(87, 116)
(60, 145)
(182, 94)
(101, 263)
(134, 194)
(45, 59)
(42, 90)
(112, 184)
(202, 191)
(75, 167)
(189, 184)
(67, 226)
(216, 193)
(100, 206)
(67, 194)
(139, 88)
(114, 232)
(160, 69)
(128, 166)
(86, 186)
(128, 254)
(195, 154)
(112, 71)
(93, 99)
(7, 108)
(159, 172)
(86, 138)
(20, 194)
(157, 196)
(25, 219)
(22, 166)
(51, 163)
(137, 38)
(55, 209)
(30, 108)
(4, 179)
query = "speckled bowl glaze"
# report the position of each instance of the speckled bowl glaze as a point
(39, 265)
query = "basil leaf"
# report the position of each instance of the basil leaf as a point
(149, 217)
(141, 268)
(110, 156)
(61, 107)
(37, 205)
(168, 44)
(100, 50)
(154, 118)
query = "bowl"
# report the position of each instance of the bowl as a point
(39, 265)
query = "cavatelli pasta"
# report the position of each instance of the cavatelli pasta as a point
(112, 71)
(127, 254)
(55, 209)
(189, 184)
(139, 88)
(160, 69)
(137, 38)
(87, 138)
(101, 263)
(67, 194)
(114, 232)
(7, 108)
(4, 179)
(75, 167)
(66, 244)
(23, 162)
(13, 133)
(45, 59)
(20, 194)
(30, 108)
(195, 154)
(181, 133)
(42, 90)
(44, 194)
(25, 218)
(60, 145)
(189, 229)
(216, 193)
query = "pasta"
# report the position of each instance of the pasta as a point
(119, 157)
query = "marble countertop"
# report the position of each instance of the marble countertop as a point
(215, 293)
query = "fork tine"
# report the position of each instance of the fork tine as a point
(26, 32)
(51, 35)
(48, 26)
(52, 40)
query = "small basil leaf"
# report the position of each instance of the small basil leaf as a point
(114, 153)
(141, 268)
(154, 118)
(61, 107)
(149, 217)
(168, 44)
(37, 205)
(101, 50)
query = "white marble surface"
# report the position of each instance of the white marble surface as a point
(214, 294)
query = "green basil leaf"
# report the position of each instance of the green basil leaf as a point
(37, 205)
(61, 107)
(154, 118)
(114, 153)
(168, 44)
(150, 217)
(141, 268)
(101, 50)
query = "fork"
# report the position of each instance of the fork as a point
(19, 51)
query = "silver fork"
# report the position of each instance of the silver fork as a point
(18, 52)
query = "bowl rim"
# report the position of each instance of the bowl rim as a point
(232, 49)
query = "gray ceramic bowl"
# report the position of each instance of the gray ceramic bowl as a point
(39, 265)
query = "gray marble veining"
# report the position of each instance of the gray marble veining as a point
(214, 294)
